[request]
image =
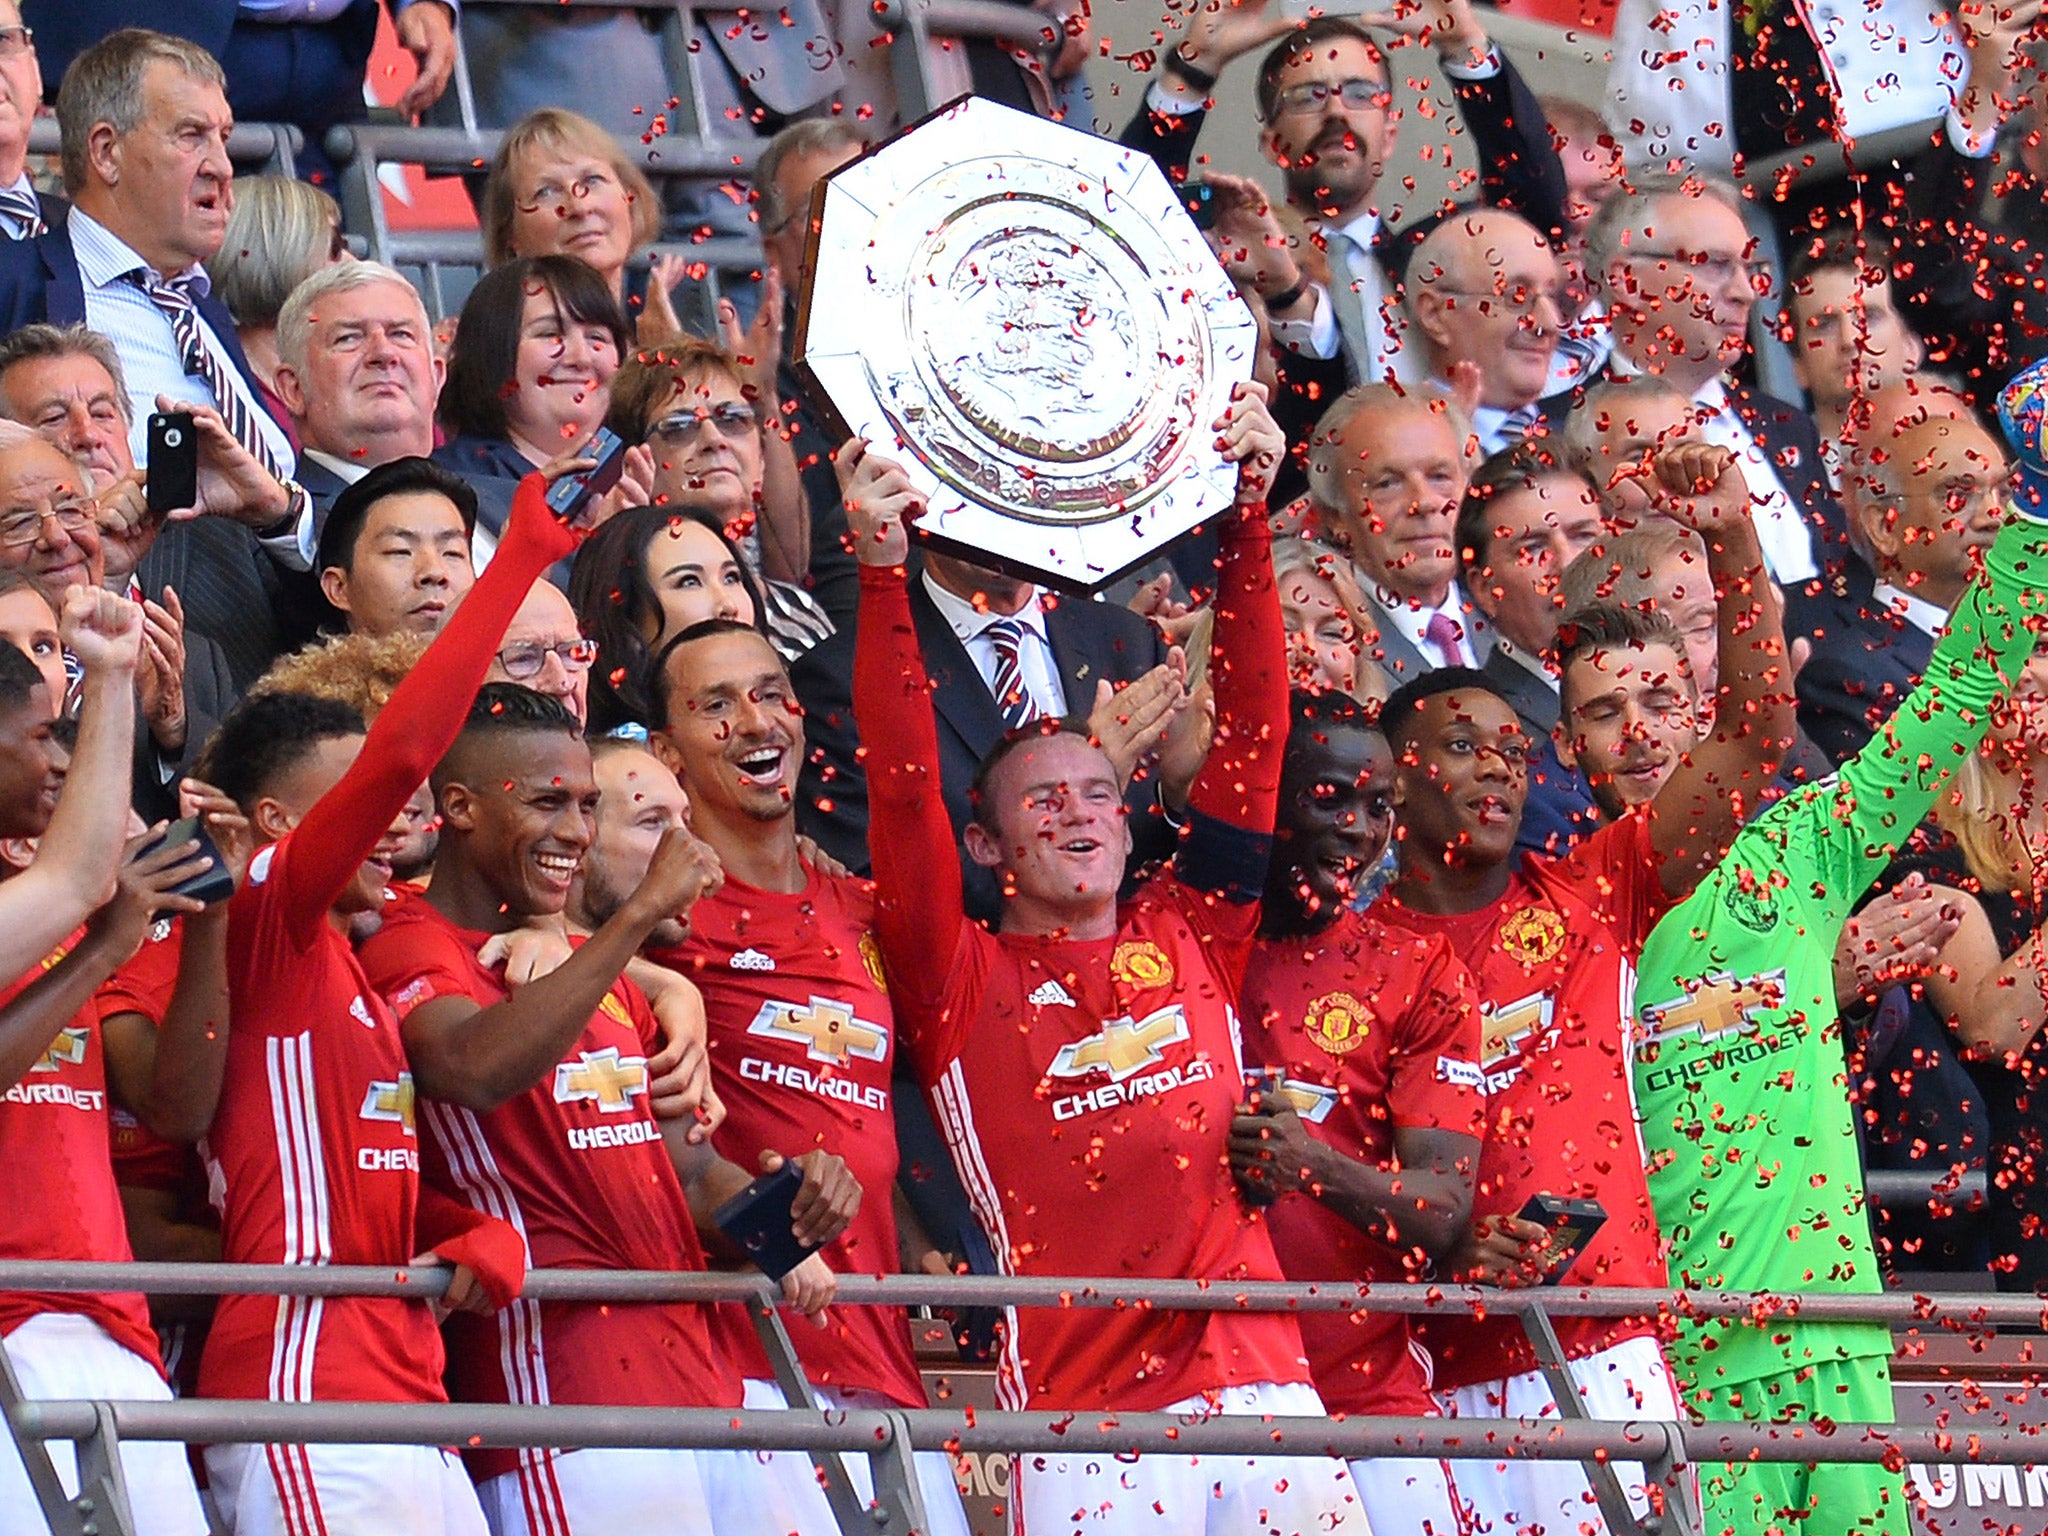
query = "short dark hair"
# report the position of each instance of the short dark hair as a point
(1840, 246)
(505, 709)
(616, 605)
(1609, 626)
(978, 798)
(19, 678)
(1509, 470)
(703, 629)
(1300, 44)
(267, 735)
(1399, 714)
(411, 476)
(485, 358)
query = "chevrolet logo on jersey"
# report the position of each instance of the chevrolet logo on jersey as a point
(605, 1077)
(1719, 1005)
(1312, 1101)
(827, 1030)
(1505, 1029)
(67, 1050)
(391, 1101)
(1121, 1047)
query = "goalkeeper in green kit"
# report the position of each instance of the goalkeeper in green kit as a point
(1740, 1075)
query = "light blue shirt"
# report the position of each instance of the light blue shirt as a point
(142, 335)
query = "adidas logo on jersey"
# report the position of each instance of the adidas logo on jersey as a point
(360, 1012)
(1050, 994)
(751, 960)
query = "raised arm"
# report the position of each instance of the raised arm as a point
(1705, 803)
(918, 911)
(425, 713)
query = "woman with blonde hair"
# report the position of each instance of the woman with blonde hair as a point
(280, 233)
(562, 186)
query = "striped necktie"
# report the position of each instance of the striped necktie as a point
(1013, 698)
(25, 209)
(175, 300)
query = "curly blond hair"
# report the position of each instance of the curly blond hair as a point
(361, 671)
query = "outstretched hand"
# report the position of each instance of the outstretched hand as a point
(1247, 436)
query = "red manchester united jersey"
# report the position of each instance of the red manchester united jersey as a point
(1376, 1029)
(143, 1159)
(1086, 1091)
(578, 1166)
(314, 1150)
(61, 1202)
(1554, 960)
(802, 1042)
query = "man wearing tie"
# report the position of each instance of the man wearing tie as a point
(23, 215)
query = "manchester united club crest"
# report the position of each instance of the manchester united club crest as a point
(1533, 935)
(1338, 1023)
(871, 957)
(1142, 965)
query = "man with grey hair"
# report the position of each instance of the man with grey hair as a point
(1386, 473)
(1672, 259)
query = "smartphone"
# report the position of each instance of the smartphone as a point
(571, 496)
(1199, 198)
(1572, 1223)
(212, 884)
(172, 463)
(758, 1219)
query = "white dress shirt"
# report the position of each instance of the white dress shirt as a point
(1411, 621)
(148, 347)
(1916, 611)
(1034, 650)
(1780, 528)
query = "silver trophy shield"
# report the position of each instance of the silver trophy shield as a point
(1027, 318)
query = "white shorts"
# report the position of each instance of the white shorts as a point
(342, 1490)
(64, 1355)
(1422, 1497)
(1105, 1495)
(1626, 1381)
(793, 1471)
(602, 1492)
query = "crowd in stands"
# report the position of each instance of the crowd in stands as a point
(1570, 771)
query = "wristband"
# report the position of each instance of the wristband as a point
(1200, 79)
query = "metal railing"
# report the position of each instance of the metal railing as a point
(1666, 1449)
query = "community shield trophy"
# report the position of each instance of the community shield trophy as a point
(1026, 316)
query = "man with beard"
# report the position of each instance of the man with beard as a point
(1369, 1142)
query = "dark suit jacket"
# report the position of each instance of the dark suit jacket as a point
(1855, 681)
(234, 594)
(1090, 641)
(210, 692)
(1559, 809)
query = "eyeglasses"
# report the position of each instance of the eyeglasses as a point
(1311, 95)
(525, 658)
(15, 41)
(20, 529)
(734, 418)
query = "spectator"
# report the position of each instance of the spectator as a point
(1613, 433)
(47, 529)
(1672, 259)
(1592, 164)
(395, 554)
(1523, 520)
(281, 66)
(29, 624)
(561, 186)
(544, 651)
(1386, 475)
(1660, 567)
(1485, 298)
(702, 423)
(67, 384)
(280, 233)
(638, 582)
(529, 381)
(1927, 497)
(1848, 339)
(1322, 639)
(24, 212)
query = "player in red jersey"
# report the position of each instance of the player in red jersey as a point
(1371, 1138)
(1083, 1061)
(313, 1145)
(536, 1109)
(799, 1029)
(53, 1113)
(1552, 944)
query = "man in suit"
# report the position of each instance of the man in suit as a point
(24, 212)
(1672, 260)
(1386, 473)
(1522, 521)
(1485, 289)
(1849, 340)
(1926, 493)
(66, 383)
(981, 631)
(300, 63)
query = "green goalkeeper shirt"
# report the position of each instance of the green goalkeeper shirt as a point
(1739, 1071)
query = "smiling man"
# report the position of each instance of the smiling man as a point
(47, 527)
(1549, 942)
(395, 552)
